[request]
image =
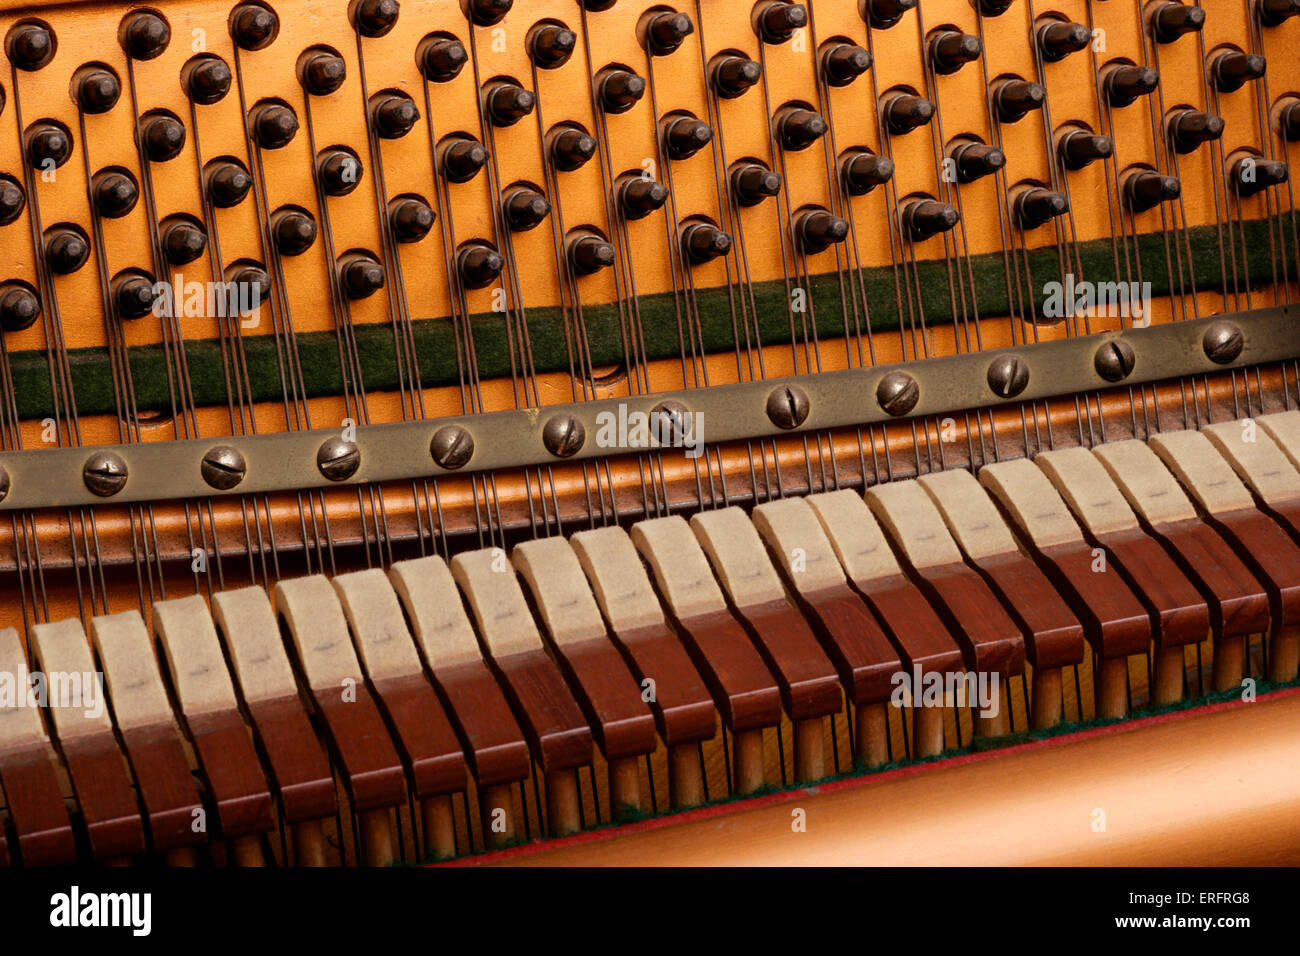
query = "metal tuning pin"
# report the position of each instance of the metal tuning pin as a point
(732, 76)
(486, 13)
(393, 114)
(638, 197)
(993, 8)
(620, 90)
(1289, 121)
(1188, 129)
(294, 231)
(47, 145)
(374, 18)
(1123, 84)
(182, 240)
(506, 103)
(525, 208)
(66, 249)
(98, 89)
(441, 58)
(253, 26)
(1015, 99)
(144, 35)
(551, 44)
(19, 306)
(863, 170)
(571, 148)
(478, 265)
(665, 32)
(163, 137)
(1171, 20)
(1057, 39)
(842, 63)
(115, 193)
(703, 242)
(905, 112)
(596, 6)
(322, 72)
(684, 136)
(751, 183)
(411, 218)
(1250, 175)
(206, 79)
(339, 170)
(1146, 189)
(975, 160)
(30, 46)
(775, 22)
(360, 275)
(133, 294)
(274, 125)
(589, 253)
(1273, 13)
(1036, 207)
(799, 128)
(924, 218)
(227, 183)
(461, 158)
(12, 200)
(1078, 148)
(1232, 69)
(816, 230)
(252, 277)
(882, 14)
(950, 50)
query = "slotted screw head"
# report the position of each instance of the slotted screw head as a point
(1008, 375)
(105, 474)
(338, 459)
(787, 406)
(898, 393)
(452, 446)
(564, 435)
(1114, 360)
(1223, 342)
(223, 467)
(670, 422)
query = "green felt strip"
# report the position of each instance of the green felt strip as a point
(436, 346)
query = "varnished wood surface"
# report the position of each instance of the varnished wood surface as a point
(36, 806)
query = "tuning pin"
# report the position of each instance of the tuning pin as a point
(393, 113)
(486, 13)
(294, 231)
(1124, 84)
(950, 50)
(19, 306)
(115, 193)
(1146, 189)
(164, 137)
(182, 240)
(596, 6)
(799, 128)
(862, 171)
(884, 13)
(360, 275)
(339, 170)
(975, 161)
(1274, 13)
(905, 112)
(817, 230)
(1250, 175)
(1079, 148)
(733, 75)
(777, 21)
(571, 149)
(461, 159)
(751, 183)
(12, 200)
(144, 35)
(66, 250)
(923, 218)
(411, 218)
(506, 102)
(620, 90)
(703, 242)
(684, 136)
(589, 253)
(1171, 20)
(993, 8)
(1289, 121)
(30, 46)
(98, 89)
(228, 183)
(638, 197)
(375, 18)
(133, 294)
(666, 31)
(48, 146)
(1058, 39)
(253, 26)
(206, 79)
(1232, 69)
(478, 265)
(525, 208)
(274, 125)
(441, 58)
(1014, 99)
(322, 72)
(251, 277)
(1037, 206)
(1188, 129)
(551, 44)
(842, 63)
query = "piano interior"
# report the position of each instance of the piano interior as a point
(605, 431)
